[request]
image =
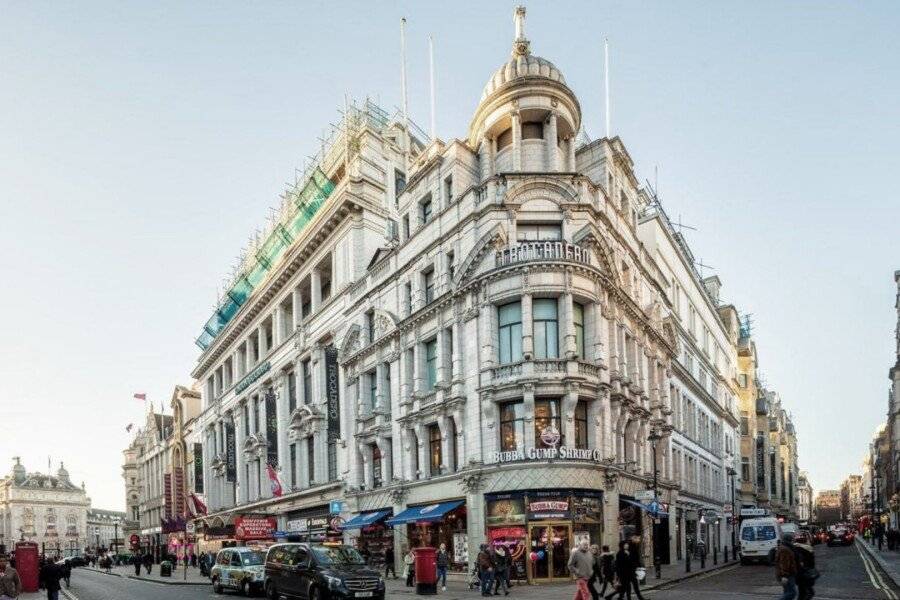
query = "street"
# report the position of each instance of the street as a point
(845, 576)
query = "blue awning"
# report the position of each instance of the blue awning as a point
(648, 508)
(428, 513)
(365, 519)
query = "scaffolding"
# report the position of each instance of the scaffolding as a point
(300, 203)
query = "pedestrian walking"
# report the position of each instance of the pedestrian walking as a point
(389, 561)
(806, 571)
(879, 535)
(634, 551)
(502, 561)
(66, 569)
(596, 574)
(10, 584)
(148, 562)
(581, 567)
(443, 564)
(607, 569)
(409, 565)
(137, 560)
(786, 567)
(48, 579)
(624, 570)
(485, 569)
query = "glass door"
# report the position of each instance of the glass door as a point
(548, 551)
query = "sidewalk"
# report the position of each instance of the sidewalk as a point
(888, 560)
(178, 576)
(671, 574)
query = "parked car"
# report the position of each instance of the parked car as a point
(759, 539)
(840, 537)
(320, 572)
(238, 568)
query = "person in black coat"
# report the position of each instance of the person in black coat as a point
(48, 579)
(137, 560)
(148, 562)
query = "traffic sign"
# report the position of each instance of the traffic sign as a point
(336, 506)
(644, 495)
(189, 527)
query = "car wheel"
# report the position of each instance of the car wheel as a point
(217, 587)
(271, 593)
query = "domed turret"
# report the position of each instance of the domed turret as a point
(62, 474)
(528, 118)
(19, 473)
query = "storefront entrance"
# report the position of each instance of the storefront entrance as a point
(549, 545)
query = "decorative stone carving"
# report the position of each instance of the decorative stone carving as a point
(399, 494)
(254, 446)
(304, 421)
(610, 479)
(472, 482)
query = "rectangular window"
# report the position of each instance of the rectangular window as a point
(332, 461)
(451, 264)
(369, 319)
(292, 391)
(373, 387)
(546, 328)
(512, 426)
(510, 323)
(387, 387)
(376, 466)
(293, 474)
(430, 364)
(399, 185)
(448, 189)
(406, 227)
(307, 381)
(547, 424)
(245, 410)
(581, 425)
(428, 281)
(425, 209)
(451, 460)
(448, 334)
(534, 232)
(407, 297)
(578, 318)
(745, 424)
(434, 449)
(311, 458)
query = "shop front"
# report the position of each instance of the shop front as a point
(312, 525)
(214, 538)
(539, 528)
(435, 524)
(373, 537)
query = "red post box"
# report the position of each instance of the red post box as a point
(27, 565)
(426, 570)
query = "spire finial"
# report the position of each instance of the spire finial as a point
(520, 44)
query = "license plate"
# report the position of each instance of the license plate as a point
(363, 594)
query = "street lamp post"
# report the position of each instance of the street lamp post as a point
(731, 474)
(657, 562)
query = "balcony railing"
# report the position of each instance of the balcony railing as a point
(542, 251)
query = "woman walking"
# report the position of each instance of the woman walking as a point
(443, 563)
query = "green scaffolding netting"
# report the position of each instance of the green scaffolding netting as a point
(306, 204)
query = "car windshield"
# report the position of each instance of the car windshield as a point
(248, 559)
(337, 555)
(759, 533)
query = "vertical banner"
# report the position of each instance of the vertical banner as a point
(230, 453)
(198, 468)
(760, 463)
(178, 496)
(167, 488)
(271, 429)
(332, 393)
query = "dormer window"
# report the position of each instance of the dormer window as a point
(538, 232)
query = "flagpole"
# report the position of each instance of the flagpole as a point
(606, 81)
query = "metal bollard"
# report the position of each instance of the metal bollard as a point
(726, 553)
(715, 556)
(702, 559)
(687, 562)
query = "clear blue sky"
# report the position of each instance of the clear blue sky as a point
(141, 143)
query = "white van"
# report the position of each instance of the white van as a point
(759, 539)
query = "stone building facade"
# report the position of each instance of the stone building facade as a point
(47, 509)
(105, 529)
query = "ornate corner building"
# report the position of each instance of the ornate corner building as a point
(468, 341)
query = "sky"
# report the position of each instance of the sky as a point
(141, 144)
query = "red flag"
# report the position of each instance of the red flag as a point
(140, 396)
(274, 482)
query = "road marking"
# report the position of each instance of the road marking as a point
(874, 574)
(68, 594)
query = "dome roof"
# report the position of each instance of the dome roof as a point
(522, 65)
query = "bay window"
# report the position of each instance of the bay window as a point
(547, 418)
(546, 328)
(510, 329)
(512, 426)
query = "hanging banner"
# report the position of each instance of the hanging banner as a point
(271, 429)
(332, 393)
(760, 463)
(178, 494)
(198, 468)
(230, 453)
(167, 489)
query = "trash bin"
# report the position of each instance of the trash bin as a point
(426, 571)
(165, 569)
